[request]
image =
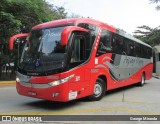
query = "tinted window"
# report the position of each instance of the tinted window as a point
(78, 49)
(137, 50)
(43, 52)
(144, 52)
(131, 48)
(105, 42)
(118, 44)
(147, 52)
(93, 30)
(150, 52)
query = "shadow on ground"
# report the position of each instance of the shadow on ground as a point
(52, 105)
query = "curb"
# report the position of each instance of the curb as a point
(7, 82)
(156, 77)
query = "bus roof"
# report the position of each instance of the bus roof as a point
(122, 33)
(76, 21)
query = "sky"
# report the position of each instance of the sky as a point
(123, 14)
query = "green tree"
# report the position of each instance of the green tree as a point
(148, 35)
(19, 16)
(60, 12)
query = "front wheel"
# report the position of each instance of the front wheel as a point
(99, 90)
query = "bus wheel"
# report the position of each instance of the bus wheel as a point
(142, 80)
(99, 90)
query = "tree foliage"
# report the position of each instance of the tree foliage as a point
(19, 16)
(148, 35)
(156, 2)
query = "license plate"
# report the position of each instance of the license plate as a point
(32, 93)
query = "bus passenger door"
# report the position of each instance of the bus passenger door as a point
(78, 57)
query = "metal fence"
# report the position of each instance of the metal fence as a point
(7, 72)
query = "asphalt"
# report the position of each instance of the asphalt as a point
(132, 100)
(155, 76)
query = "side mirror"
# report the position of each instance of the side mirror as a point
(14, 37)
(66, 32)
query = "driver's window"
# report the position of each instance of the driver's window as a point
(104, 43)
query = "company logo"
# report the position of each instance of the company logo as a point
(22, 118)
(6, 118)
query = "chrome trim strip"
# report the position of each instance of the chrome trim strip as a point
(25, 81)
(41, 86)
(30, 85)
(25, 84)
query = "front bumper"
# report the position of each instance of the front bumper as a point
(56, 93)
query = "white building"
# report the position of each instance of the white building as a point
(157, 60)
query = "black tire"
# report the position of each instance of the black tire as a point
(99, 90)
(142, 82)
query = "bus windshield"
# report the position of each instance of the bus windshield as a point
(43, 52)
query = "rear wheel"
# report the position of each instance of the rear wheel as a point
(142, 80)
(99, 90)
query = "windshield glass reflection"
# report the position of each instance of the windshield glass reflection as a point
(43, 51)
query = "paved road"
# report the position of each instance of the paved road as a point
(137, 100)
(132, 100)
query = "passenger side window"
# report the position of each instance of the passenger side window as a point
(118, 45)
(104, 43)
(90, 38)
(147, 52)
(131, 48)
(137, 50)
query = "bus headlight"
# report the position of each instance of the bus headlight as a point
(17, 79)
(61, 81)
